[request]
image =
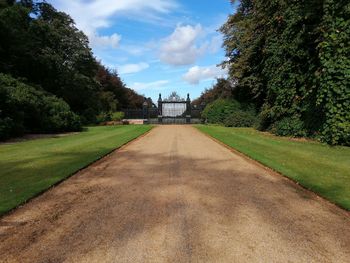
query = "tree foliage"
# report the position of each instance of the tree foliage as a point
(291, 59)
(240, 118)
(28, 109)
(114, 89)
(333, 75)
(221, 89)
(42, 48)
(230, 112)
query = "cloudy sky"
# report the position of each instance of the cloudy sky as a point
(157, 46)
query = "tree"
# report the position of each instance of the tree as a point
(222, 89)
(333, 75)
(47, 49)
(24, 108)
(283, 55)
(6, 3)
(41, 48)
(122, 96)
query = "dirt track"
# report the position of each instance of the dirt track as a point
(176, 196)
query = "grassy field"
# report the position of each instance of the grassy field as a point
(27, 168)
(318, 167)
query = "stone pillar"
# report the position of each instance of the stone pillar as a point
(160, 109)
(188, 109)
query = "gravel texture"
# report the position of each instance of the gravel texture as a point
(175, 195)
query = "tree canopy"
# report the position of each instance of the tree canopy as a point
(223, 88)
(291, 58)
(43, 48)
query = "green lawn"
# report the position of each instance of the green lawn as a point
(318, 167)
(28, 168)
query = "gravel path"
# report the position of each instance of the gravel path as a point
(175, 195)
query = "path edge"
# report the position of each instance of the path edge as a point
(95, 162)
(274, 172)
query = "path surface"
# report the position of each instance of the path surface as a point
(175, 195)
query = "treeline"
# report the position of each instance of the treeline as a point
(50, 80)
(222, 89)
(291, 60)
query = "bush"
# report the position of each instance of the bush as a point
(240, 119)
(336, 132)
(264, 120)
(217, 111)
(58, 117)
(230, 113)
(28, 109)
(289, 126)
(7, 127)
(103, 117)
(117, 116)
(89, 116)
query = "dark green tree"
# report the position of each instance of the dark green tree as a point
(333, 75)
(42, 49)
(222, 89)
(291, 58)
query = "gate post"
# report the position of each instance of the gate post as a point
(188, 109)
(160, 109)
(145, 111)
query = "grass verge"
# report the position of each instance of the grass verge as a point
(30, 167)
(321, 168)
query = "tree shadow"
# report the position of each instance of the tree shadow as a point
(183, 193)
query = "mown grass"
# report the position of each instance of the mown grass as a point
(28, 168)
(318, 167)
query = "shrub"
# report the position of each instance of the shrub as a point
(103, 117)
(217, 111)
(58, 117)
(336, 132)
(89, 116)
(240, 119)
(28, 109)
(8, 127)
(264, 119)
(117, 116)
(289, 126)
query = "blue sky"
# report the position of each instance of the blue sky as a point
(157, 46)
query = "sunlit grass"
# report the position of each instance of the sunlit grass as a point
(318, 167)
(28, 168)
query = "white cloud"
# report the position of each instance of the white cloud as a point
(180, 47)
(105, 41)
(132, 68)
(196, 74)
(134, 50)
(156, 85)
(215, 44)
(94, 14)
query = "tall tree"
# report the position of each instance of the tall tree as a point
(222, 89)
(333, 75)
(283, 55)
(44, 48)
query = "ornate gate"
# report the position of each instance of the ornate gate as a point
(174, 110)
